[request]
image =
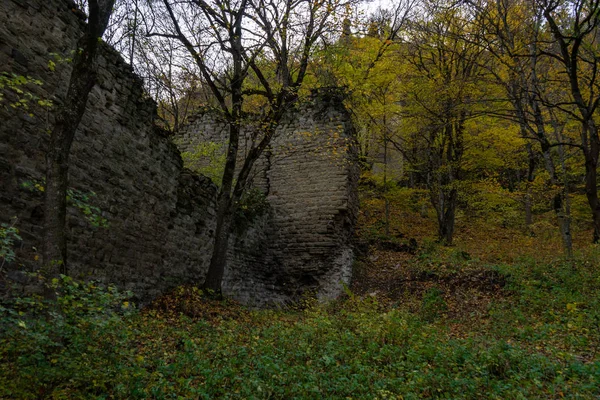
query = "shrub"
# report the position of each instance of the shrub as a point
(9, 234)
(77, 343)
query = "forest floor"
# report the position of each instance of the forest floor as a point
(508, 282)
(471, 276)
(501, 314)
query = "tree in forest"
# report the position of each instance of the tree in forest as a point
(366, 64)
(575, 50)
(441, 95)
(82, 80)
(551, 54)
(512, 33)
(246, 49)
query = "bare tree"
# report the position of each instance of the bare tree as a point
(171, 81)
(268, 41)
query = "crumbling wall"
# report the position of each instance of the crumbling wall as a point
(160, 217)
(309, 176)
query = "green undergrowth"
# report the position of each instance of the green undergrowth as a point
(548, 307)
(538, 340)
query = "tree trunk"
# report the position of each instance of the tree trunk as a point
(530, 179)
(594, 206)
(591, 173)
(566, 226)
(446, 216)
(564, 218)
(564, 222)
(528, 207)
(385, 186)
(82, 80)
(218, 261)
(225, 209)
(55, 204)
(562, 209)
(227, 199)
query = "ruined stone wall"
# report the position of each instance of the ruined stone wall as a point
(309, 176)
(160, 217)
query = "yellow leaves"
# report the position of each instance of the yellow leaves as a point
(45, 103)
(307, 134)
(493, 143)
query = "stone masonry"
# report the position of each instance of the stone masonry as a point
(309, 176)
(160, 215)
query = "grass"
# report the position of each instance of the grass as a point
(453, 323)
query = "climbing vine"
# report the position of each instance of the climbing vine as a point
(79, 199)
(18, 85)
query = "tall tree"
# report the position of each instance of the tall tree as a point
(82, 80)
(367, 65)
(575, 50)
(512, 33)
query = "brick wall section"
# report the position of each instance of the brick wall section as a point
(160, 216)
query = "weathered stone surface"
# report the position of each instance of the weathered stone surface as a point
(309, 176)
(161, 216)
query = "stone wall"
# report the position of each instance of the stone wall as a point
(161, 216)
(309, 176)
